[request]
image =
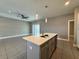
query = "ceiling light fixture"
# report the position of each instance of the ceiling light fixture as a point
(46, 20)
(67, 2)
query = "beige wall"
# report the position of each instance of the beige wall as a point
(10, 27)
(57, 25)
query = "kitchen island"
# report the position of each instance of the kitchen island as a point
(41, 47)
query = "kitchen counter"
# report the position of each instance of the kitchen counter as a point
(39, 40)
(41, 47)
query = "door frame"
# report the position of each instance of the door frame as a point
(69, 27)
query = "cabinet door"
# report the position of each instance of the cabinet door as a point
(52, 45)
(50, 48)
(44, 52)
(55, 41)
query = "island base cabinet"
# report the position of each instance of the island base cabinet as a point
(52, 46)
(37, 52)
(49, 48)
(44, 51)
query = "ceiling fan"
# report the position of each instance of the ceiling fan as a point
(18, 14)
(22, 16)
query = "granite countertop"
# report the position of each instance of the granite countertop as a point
(39, 40)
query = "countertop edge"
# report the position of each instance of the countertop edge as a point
(39, 44)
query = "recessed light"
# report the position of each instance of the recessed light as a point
(67, 3)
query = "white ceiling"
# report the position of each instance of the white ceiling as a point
(31, 7)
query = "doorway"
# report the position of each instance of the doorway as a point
(71, 32)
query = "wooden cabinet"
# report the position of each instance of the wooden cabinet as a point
(52, 45)
(44, 52)
(49, 48)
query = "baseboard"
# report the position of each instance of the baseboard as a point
(13, 36)
(62, 39)
(77, 46)
(74, 45)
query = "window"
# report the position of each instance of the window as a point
(36, 29)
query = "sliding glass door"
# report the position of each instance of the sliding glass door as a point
(35, 29)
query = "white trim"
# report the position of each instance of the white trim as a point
(13, 36)
(62, 39)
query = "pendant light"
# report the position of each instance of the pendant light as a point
(36, 16)
(46, 20)
(67, 2)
